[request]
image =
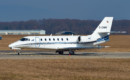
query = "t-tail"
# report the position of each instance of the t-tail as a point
(102, 32)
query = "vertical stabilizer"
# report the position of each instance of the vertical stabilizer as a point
(103, 29)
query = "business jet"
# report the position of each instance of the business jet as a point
(67, 43)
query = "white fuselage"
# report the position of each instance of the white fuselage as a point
(54, 42)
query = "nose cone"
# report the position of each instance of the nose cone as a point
(11, 45)
(14, 46)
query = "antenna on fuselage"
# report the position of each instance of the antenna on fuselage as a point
(50, 34)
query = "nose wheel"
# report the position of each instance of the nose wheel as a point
(18, 52)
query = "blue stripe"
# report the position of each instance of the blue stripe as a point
(106, 38)
(53, 43)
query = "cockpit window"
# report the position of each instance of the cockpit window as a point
(24, 39)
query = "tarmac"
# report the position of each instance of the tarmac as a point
(53, 55)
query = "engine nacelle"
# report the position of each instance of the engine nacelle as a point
(84, 39)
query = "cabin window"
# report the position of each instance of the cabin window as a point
(62, 39)
(41, 39)
(45, 39)
(24, 39)
(49, 39)
(53, 39)
(67, 39)
(57, 39)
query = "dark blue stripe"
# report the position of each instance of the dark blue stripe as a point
(106, 38)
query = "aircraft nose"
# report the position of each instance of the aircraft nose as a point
(11, 45)
(14, 46)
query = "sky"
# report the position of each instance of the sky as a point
(22, 10)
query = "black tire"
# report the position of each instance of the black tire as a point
(71, 52)
(61, 52)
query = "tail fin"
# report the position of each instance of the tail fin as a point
(103, 29)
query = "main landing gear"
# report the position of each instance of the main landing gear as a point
(62, 52)
(71, 52)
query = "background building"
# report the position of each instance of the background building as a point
(22, 32)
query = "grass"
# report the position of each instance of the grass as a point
(65, 69)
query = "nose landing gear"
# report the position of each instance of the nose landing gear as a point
(17, 51)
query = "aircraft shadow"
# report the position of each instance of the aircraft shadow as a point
(53, 53)
(87, 54)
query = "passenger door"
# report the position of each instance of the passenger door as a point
(37, 42)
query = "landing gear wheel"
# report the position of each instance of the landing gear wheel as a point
(19, 52)
(61, 52)
(71, 52)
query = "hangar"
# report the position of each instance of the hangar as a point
(22, 32)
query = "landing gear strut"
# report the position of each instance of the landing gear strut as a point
(60, 52)
(19, 52)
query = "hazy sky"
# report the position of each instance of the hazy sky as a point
(17, 10)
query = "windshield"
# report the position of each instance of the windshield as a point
(24, 39)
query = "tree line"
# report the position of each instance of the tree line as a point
(53, 26)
